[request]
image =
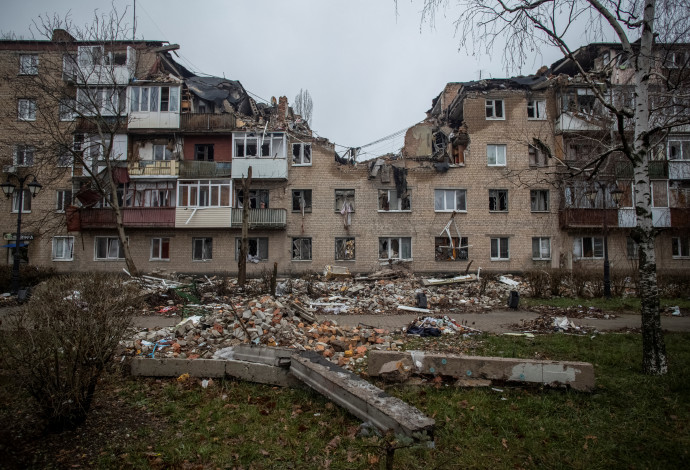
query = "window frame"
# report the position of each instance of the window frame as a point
(166, 153)
(60, 240)
(308, 200)
(206, 249)
(345, 195)
(189, 191)
(401, 248)
(444, 199)
(540, 256)
(259, 242)
(534, 200)
(462, 254)
(343, 241)
(594, 241)
(307, 241)
(682, 142)
(400, 200)
(160, 248)
(500, 243)
(205, 151)
(24, 150)
(303, 146)
(109, 241)
(260, 140)
(62, 201)
(496, 194)
(680, 247)
(490, 109)
(67, 110)
(26, 201)
(539, 112)
(26, 109)
(497, 161)
(31, 68)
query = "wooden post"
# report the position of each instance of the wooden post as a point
(244, 246)
(274, 279)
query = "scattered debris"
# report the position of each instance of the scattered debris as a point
(436, 326)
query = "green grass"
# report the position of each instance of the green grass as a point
(630, 421)
(615, 304)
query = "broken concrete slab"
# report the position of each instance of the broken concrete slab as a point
(452, 280)
(361, 398)
(262, 373)
(577, 375)
(278, 357)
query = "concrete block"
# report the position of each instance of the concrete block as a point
(364, 400)
(577, 375)
(261, 373)
(149, 367)
(279, 357)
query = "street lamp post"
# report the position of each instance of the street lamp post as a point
(8, 188)
(616, 195)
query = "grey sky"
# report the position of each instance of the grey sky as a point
(370, 73)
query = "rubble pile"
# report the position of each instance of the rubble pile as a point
(262, 321)
(554, 323)
(437, 326)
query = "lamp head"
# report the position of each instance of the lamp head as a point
(7, 187)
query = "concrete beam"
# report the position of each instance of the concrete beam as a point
(278, 357)
(578, 375)
(359, 397)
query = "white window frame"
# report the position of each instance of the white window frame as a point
(682, 143)
(305, 244)
(491, 108)
(28, 64)
(258, 251)
(26, 202)
(304, 155)
(537, 109)
(536, 196)
(165, 153)
(597, 244)
(206, 245)
(112, 244)
(402, 241)
(680, 250)
(493, 153)
(67, 110)
(441, 200)
(273, 144)
(204, 190)
(63, 198)
(92, 56)
(26, 109)
(63, 248)
(99, 101)
(543, 248)
(150, 99)
(344, 195)
(156, 252)
(27, 153)
(343, 241)
(496, 193)
(500, 243)
(392, 195)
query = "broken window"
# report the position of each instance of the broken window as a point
(498, 200)
(26, 110)
(258, 199)
(202, 249)
(680, 247)
(399, 248)
(537, 157)
(203, 152)
(536, 109)
(63, 248)
(24, 155)
(499, 248)
(344, 249)
(266, 145)
(494, 109)
(301, 200)
(496, 154)
(444, 250)
(162, 152)
(28, 64)
(450, 200)
(63, 199)
(539, 200)
(585, 100)
(301, 154)
(541, 248)
(301, 249)
(160, 249)
(390, 202)
(108, 248)
(679, 148)
(257, 248)
(346, 198)
(90, 56)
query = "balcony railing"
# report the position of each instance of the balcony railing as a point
(658, 169)
(96, 218)
(153, 168)
(584, 218)
(112, 124)
(207, 122)
(260, 218)
(679, 170)
(198, 169)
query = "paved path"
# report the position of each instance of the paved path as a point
(496, 321)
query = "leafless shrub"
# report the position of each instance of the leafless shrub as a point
(538, 280)
(622, 280)
(558, 278)
(484, 280)
(673, 284)
(63, 338)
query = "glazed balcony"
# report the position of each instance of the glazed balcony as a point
(260, 218)
(658, 169)
(199, 169)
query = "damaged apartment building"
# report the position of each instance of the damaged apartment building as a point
(484, 181)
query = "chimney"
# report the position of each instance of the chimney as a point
(61, 35)
(282, 108)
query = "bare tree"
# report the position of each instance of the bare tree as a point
(244, 244)
(79, 103)
(304, 105)
(522, 27)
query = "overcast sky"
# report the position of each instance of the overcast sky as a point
(369, 71)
